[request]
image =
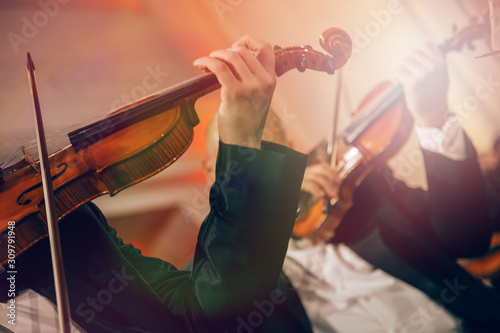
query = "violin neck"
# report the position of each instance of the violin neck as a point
(187, 91)
(361, 123)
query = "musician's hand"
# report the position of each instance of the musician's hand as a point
(425, 80)
(320, 181)
(247, 75)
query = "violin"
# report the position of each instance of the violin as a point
(486, 267)
(380, 127)
(130, 145)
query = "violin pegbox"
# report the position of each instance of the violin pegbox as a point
(466, 36)
(335, 41)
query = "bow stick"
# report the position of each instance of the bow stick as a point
(53, 230)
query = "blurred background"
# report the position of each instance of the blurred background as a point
(92, 57)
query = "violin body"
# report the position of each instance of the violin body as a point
(132, 144)
(371, 148)
(105, 167)
(488, 266)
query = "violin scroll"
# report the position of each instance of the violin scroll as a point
(337, 42)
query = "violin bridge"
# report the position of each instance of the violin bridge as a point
(30, 160)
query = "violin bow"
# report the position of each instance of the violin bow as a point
(332, 148)
(48, 193)
(332, 142)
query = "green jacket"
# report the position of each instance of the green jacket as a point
(241, 245)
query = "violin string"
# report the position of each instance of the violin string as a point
(388, 96)
(55, 140)
(10, 159)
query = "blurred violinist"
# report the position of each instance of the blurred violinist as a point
(392, 264)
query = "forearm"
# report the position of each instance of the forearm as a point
(243, 241)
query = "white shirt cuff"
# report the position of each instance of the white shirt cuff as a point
(448, 141)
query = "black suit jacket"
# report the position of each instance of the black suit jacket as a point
(417, 235)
